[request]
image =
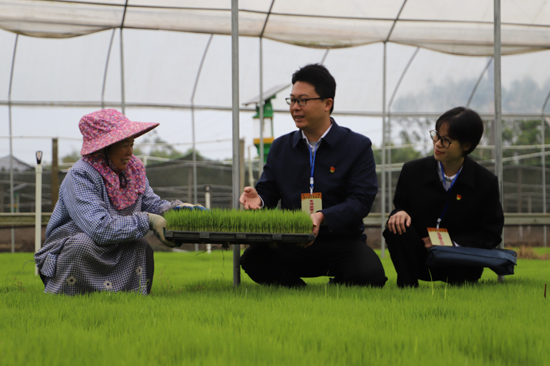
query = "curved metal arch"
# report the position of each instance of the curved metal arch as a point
(401, 78)
(107, 69)
(195, 196)
(267, 18)
(325, 56)
(395, 21)
(388, 123)
(490, 60)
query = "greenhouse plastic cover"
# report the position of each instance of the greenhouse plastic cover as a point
(458, 27)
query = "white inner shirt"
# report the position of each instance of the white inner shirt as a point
(447, 181)
(314, 145)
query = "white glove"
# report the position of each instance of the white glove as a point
(157, 223)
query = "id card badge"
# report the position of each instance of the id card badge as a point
(440, 237)
(312, 202)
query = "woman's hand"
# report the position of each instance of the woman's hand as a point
(427, 242)
(157, 223)
(399, 222)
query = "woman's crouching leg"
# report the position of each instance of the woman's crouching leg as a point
(408, 256)
(83, 266)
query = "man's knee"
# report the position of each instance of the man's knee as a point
(255, 258)
(368, 271)
(369, 276)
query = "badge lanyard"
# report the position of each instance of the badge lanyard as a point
(449, 193)
(312, 165)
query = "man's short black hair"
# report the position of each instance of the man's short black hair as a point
(321, 79)
(465, 125)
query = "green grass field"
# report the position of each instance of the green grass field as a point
(195, 317)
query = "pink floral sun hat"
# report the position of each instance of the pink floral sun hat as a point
(108, 126)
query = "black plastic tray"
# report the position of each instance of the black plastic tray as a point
(206, 237)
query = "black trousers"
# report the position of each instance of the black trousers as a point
(350, 261)
(408, 255)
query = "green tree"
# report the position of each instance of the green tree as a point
(401, 155)
(519, 133)
(413, 135)
(154, 145)
(71, 158)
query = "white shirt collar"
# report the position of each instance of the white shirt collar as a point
(448, 180)
(318, 142)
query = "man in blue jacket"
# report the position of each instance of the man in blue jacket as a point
(327, 171)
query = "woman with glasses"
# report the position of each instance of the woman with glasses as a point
(445, 192)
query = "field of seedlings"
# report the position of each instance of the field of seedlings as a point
(195, 316)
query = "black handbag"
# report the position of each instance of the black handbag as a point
(500, 261)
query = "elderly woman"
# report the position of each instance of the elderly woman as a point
(95, 237)
(449, 191)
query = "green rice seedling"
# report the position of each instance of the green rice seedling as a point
(252, 221)
(195, 316)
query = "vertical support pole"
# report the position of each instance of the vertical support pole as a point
(55, 173)
(498, 102)
(242, 166)
(543, 157)
(195, 196)
(383, 198)
(388, 162)
(498, 107)
(12, 204)
(122, 91)
(207, 205)
(189, 182)
(38, 207)
(261, 165)
(250, 170)
(236, 133)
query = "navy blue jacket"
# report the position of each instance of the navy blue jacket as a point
(345, 174)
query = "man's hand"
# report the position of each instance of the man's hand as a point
(250, 199)
(427, 242)
(317, 219)
(399, 222)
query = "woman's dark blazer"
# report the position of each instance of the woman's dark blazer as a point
(474, 217)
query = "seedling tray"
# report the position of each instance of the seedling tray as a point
(206, 237)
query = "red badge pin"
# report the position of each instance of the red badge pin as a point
(332, 169)
(458, 197)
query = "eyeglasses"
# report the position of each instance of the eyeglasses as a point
(300, 101)
(445, 141)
